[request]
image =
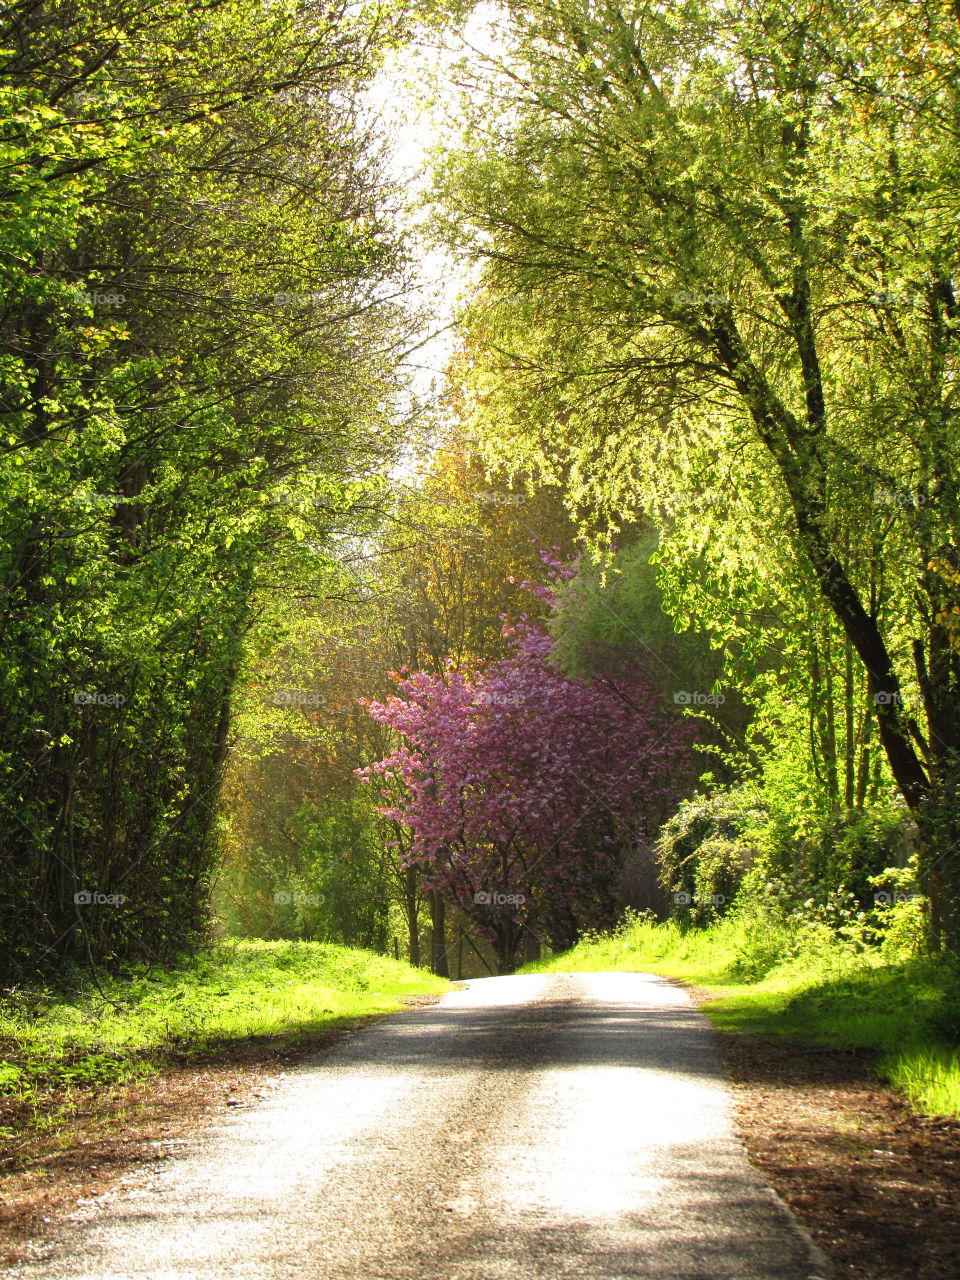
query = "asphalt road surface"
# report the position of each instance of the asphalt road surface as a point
(526, 1128)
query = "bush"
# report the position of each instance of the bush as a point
(764, 938)
(706, 850)
(839, 851)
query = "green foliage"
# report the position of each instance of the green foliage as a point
(821, 854)
(764, 937)
(282, 991)
(794, 879)
(325, 877)
(613, 611)
(718, 290)
(193, 330)
(706, 849)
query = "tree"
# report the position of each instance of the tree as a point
(194, 323)
(446, 567)
(523, 789)
(721, 247)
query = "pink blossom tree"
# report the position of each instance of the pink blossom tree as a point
(523, 789)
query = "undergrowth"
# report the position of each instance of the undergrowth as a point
(55, 1042)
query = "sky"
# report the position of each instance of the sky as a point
(411, 98)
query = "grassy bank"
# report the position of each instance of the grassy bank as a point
(53, 1043)
(805, 984)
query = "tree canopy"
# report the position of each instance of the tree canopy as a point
(719, 248)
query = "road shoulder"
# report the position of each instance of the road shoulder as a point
(875, 1185)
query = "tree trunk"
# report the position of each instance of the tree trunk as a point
(410, 904)
(438, 940)
(795, 452)
(849, 737)
(930, 783)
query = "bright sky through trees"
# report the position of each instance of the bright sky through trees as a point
(413, 98)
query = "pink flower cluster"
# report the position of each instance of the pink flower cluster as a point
(517, 779)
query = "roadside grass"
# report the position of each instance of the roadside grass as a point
(806, 985)
(56, 1043)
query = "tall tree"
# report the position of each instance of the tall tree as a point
(721, 247)
(196, 265)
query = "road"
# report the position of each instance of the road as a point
(553, 1127)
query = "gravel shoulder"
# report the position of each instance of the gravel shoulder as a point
(876, 1185)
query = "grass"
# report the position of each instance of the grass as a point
(805, 983)
(53, 1041)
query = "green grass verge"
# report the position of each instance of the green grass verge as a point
(805, 985)
(240, 991)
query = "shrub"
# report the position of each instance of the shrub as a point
(843, 850)
(764, 936)
(706, 849)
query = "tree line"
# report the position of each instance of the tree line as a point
(200, 332)
(709, 370)
(719, 249)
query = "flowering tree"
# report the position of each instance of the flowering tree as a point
(523, 788)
